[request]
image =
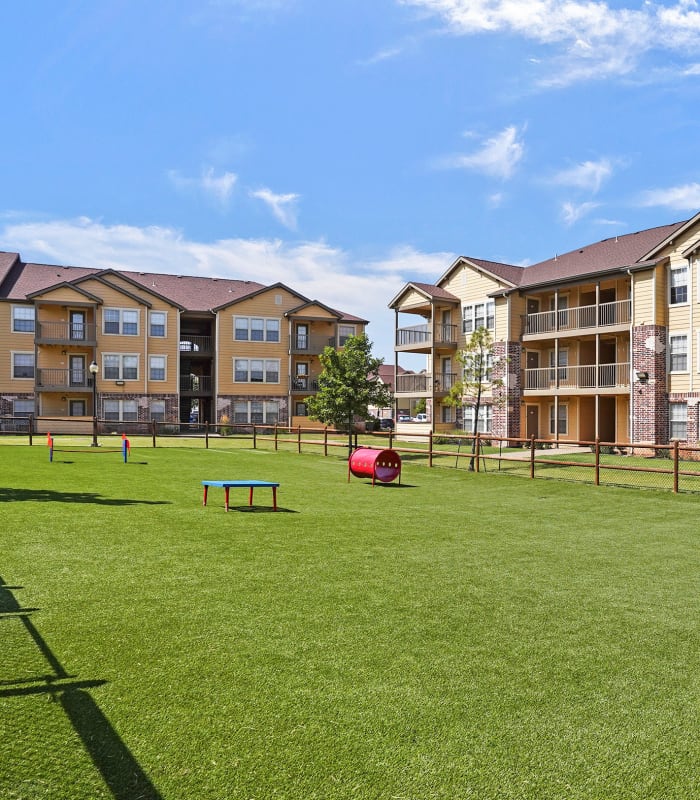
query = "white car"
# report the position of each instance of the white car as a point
(405, 418)
(421, 418)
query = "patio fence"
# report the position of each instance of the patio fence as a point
(673, 467)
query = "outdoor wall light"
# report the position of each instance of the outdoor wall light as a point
(642, 377)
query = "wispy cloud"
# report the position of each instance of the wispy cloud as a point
(588, 176)
(497, 156)
(283, 206)
(216, 187)
(573, 212)
(313, 268)
(679, 198)
(587, 40)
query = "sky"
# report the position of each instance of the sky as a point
(342, 147)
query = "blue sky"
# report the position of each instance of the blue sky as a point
(343, 147)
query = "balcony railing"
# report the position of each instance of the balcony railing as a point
(195, 344)
(412, 384)
(65, 332)
(313, 344)
(63, 379)
(422, 336)
(587, 376)
(604, 315)
(195, 384)
(304, 384)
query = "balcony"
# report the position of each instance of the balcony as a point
(421, 383)
(66, 333)
(63, 380)
(304, 384)
(313, 344)
(420, 337)
(196, 345)
(589, 378)
(607, 316)
(195, 384)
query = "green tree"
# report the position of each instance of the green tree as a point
(348, 385)
(479, 366)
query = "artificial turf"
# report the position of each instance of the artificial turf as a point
(458, 636)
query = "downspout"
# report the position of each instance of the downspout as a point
(631, 358)
(145, 356)
(178, 359)
(690, 323)
(395, 414)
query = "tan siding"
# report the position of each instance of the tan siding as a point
(643, 312)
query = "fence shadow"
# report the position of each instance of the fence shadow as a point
(9, 494)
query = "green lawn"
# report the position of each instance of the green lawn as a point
(459, 636)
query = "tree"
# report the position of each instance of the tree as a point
(348, 385)
(479, 364)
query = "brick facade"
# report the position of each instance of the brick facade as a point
(506, 411)
(650, 421)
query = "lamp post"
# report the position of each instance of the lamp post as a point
(94, 369)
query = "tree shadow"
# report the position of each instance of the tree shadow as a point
(10, 495)
(121, 772)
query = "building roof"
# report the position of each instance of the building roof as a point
(386, 373)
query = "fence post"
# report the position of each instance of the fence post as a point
(675, 466)
(298, 438)
(153, 431)
(325, 440)
(31, 428)
(206, 433)
(532, 456)
(478, 449)
(597, 460)
(430, 449)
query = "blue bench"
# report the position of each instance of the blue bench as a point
(250, 485)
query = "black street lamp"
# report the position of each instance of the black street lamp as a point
(94, 369)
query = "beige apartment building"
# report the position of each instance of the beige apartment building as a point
(603, 341)
(136, 346)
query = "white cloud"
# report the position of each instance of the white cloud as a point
(679, 198)
(361, 287)
(573, 212)
(283, 206)
(498, 156)
(588, 40)
(589, 175)
(218, 187)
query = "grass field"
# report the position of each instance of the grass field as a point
(458, 636)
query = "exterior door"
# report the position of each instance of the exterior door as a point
(77, 371)
(532, 423)
(77, 408)
(532, 364)
(302, 337)
(301, 379)
(77, 325)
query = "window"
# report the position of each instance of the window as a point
(256, 412)
(679, 285)
(156, 368)
(256, 329)
(478, 367)
(158, 410)
(678, 419)
(157, 322)
(562, 373)
(678, 353)
(344, 333)
(447, 414)
(300, 410)
(117, 367)
(120, 410)
(484, 422)
(563, 419)
(256, 370)
(23, 319)
(480, 315)
(23, 365)
(22, 408)
(124, 321)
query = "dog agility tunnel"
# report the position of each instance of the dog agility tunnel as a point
(379, 465)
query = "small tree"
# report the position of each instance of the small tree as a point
(478, 366)
(348, 385)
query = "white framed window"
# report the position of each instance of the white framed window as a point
(157, 410)
(561, 421)
(120, 410)
(120, 366)
(256, 412)
(120, 321)
(484, 422)
(158, 324)
(23, 365)
(156, 368)
(256, 370)
(256, 329)
(23, 319)
(563, 359)
(678, 284)
(479, 315)
(678, 421)
(447, 415)
(22, 408)
(678, 353)
(344, 333)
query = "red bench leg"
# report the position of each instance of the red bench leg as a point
(204, 501)
(226, 489)
(274, 498)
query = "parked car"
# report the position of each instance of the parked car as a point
(405, 418)
(386, 424)
(421, 418)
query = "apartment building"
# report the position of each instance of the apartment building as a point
(137, 346)
(603, 341)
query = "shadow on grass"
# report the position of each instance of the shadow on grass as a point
(8, 495)
(262, 509)
(116, 764)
